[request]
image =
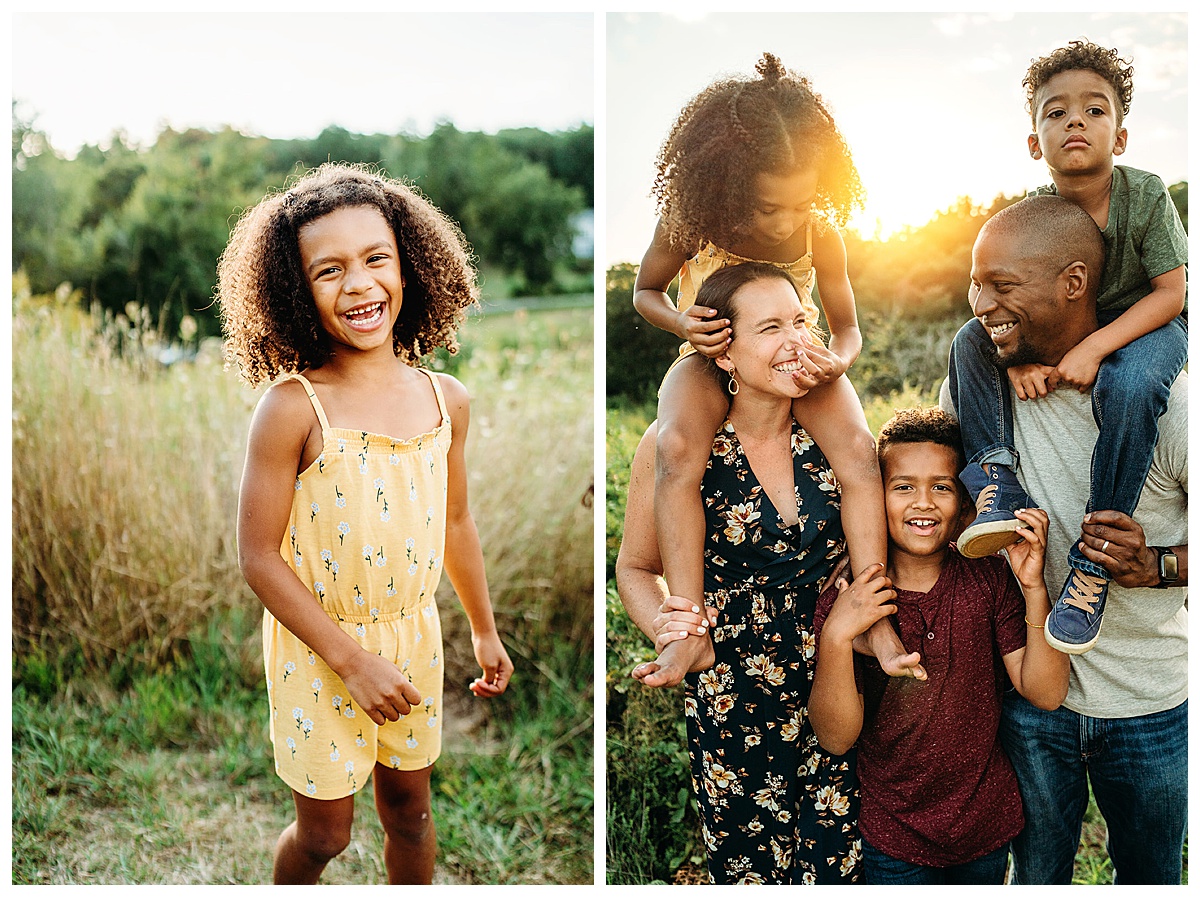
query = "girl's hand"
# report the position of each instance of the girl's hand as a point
(380, 688)
(1077, 369)
(1030, 381)
(678, 618)
(493, 660)
(1028, 557)
(859, 605)
(822, 364)
(707, 335)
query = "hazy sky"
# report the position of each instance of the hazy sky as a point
(291, 74)
(930, 103)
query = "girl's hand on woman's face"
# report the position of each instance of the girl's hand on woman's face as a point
(822, 364)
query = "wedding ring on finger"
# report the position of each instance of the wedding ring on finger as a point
(1104, 547)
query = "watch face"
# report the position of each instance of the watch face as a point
(1168, 566)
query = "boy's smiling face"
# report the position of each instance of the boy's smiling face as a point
(922, 496)
(1076, 123)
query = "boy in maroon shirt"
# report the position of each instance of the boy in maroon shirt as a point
(939, 797)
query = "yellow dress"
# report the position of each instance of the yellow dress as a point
(366, 536)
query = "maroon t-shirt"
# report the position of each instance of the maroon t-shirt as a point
(937, 788)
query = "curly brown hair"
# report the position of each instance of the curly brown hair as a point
(736, 129)
(268, 313)
(1082, 54)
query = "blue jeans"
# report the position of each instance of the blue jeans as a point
(1129, 396)
(881, 869)
(1138, 772)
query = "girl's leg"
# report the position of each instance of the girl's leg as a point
(1130, 395)
(691, 407)
(983, 403)
(402, 799)
(833, 416)
(321, 831)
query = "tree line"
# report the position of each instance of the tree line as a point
(147, 224)
(906, 287)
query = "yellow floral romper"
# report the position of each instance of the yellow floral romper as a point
(366, 535)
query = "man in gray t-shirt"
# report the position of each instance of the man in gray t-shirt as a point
(1123, 725)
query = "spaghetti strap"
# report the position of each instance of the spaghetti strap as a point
(312, 397)
(808, 238)
(437, 391)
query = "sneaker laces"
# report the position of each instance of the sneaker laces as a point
(987, 495)
(1084, 591)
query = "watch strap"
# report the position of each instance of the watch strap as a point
(1168, 566)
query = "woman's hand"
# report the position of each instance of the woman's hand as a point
(493, 660)
(379, 688)
(678, 618)
(708, 335)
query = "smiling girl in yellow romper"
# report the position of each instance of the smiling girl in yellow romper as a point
(353, 497)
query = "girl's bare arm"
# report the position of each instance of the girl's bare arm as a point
(837, 296)
(464, 555)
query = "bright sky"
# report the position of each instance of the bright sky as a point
(290, 74)
(931, 104)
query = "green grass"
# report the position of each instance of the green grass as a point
(169, 780)
(140, 747)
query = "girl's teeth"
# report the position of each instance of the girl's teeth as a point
(360, 313)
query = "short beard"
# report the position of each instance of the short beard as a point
(1023, 354)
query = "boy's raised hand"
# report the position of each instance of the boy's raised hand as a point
(708, 335)
(1077, 369)
(1028, 556)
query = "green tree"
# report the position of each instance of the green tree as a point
(637, 353)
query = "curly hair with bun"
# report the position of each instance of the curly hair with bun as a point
(736, 129)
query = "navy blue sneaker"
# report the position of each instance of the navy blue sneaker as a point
(996, 493)
(1074, 622)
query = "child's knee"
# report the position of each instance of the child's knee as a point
(322, 843)
(405, 808)
(858, 460)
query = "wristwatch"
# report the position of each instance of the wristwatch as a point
(1168, 567)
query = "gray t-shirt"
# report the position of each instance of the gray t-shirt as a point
(1139, 665)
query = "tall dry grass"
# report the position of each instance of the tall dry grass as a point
(125, 477)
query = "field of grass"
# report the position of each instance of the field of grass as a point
(140, 746)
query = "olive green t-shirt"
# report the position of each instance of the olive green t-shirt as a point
(1144, 237)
